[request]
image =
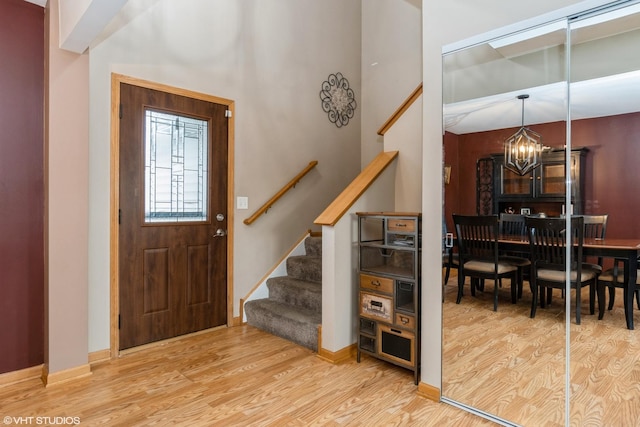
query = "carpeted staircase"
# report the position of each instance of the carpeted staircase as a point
(294, 308)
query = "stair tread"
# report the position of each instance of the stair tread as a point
(298, 283)
(292, 312)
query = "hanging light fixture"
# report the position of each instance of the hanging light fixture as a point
(522, 150)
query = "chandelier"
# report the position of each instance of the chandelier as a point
(522, 150)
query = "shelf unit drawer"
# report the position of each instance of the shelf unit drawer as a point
(368, 326)
(397, 345)
(404, 225)
(367, 343)
(375, 283)
(405, 321)
(376, 307)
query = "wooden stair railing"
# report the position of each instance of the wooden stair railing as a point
(404, 107)
(355, 189)
(264, 208)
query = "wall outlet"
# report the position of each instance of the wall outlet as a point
(242, 202)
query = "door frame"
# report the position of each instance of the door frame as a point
(114, 253)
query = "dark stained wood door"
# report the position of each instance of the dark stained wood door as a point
(173, 198)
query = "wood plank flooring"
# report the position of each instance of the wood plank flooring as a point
(510, 365)
(236, 376)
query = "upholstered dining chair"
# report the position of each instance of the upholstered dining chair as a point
(547, 241)
(512, 226)
(613, 278)
(595, 227)
(478, 251)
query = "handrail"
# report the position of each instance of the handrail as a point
(264, 208)
(404, 107)
(354, 190)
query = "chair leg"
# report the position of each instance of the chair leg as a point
(612, 297)
(578, 289)
(446, 274)
(460, 287)
(534, 300)
(592, 298)
(638, 299)
(601, 296)
(495, 294)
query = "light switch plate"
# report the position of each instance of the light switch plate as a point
(242, 202)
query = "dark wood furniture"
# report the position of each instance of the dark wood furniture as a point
(389, 287)
(626, 249)
(547, 243)
(543, 189)
(479, 255)
(513, 225)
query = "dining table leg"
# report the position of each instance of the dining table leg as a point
(630, 275)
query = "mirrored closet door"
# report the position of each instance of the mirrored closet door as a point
(568, 89)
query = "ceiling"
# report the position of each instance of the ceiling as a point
(606, 87)
(601, 97)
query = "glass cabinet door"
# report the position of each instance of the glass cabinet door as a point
(551, 179)
(515, 185)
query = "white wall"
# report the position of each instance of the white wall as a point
(271, 58)
(444, 23)
(391, 64)
(67, 199)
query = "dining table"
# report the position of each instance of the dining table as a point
(626, 249)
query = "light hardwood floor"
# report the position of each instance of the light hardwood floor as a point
(236, 376)
(510, 365)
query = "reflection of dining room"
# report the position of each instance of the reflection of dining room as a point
(507, 363)
(539, 124)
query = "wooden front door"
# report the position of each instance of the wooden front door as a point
(173, 199)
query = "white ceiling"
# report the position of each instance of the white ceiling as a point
(618, 93)
(608, 96)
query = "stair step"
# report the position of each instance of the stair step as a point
(313, 245)
(305, 267)
(284, 320)
(302, 293)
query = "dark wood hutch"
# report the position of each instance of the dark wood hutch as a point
(540, 191)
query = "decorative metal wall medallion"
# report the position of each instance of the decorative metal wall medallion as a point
(338, 100)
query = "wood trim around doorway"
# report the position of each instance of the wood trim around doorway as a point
(116, 79)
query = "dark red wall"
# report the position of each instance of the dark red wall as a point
(21, 185)
(612, 166)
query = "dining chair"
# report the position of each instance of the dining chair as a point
(547, 241)
(513, 226)
(479, 259)
(595, 227)
(613, 278)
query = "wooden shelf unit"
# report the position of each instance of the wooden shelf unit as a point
(389, 287)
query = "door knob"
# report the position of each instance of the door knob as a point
(220, 233)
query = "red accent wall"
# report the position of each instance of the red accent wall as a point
(612, 166)
(21, 185)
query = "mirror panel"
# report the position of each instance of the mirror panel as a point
(605, 118)
(503, 363)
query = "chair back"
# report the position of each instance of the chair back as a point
(477, 237)
(548, 239)
(595, 226)
(512, 225)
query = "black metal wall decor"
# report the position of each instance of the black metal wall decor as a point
(338, 100)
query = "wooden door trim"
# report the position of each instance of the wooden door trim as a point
(116, 79)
